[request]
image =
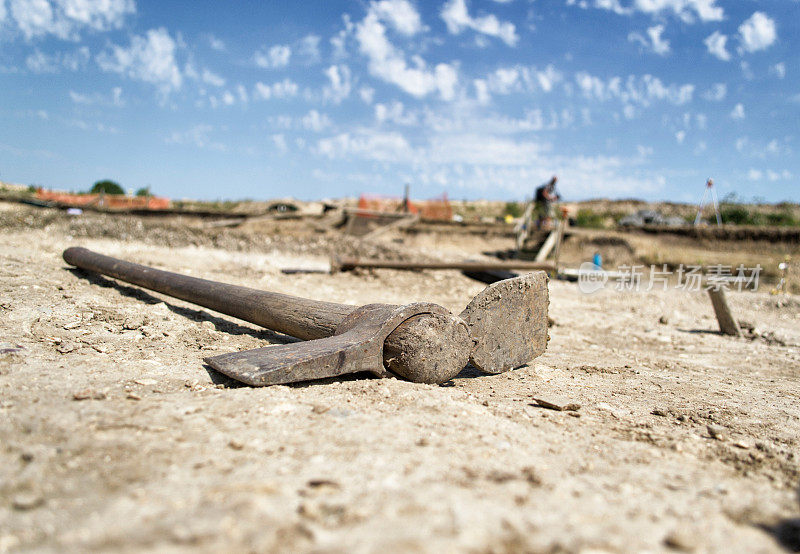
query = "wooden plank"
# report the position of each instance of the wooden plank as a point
(347, 264)
(548, 245)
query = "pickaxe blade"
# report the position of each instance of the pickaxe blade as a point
(503, 327)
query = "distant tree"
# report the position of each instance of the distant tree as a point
(108, 187)
(144, 191)
(513, 209)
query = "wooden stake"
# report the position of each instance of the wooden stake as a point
(727, 323)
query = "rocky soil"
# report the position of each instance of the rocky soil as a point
(114, 436)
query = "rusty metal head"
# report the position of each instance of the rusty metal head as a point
(508, 322)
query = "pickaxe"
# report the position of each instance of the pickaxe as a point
(503, 327)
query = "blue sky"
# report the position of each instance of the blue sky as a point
(476, 98)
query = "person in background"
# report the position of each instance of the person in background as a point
(545, 196)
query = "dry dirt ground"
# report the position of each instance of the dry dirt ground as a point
(115, 437)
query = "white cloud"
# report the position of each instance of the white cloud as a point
(276, 56)
(456, 16)
(715, 43)
(242, 92)
(66, 18)
(340, 84)
(737, 112)
(281, 89)
(114, 99)
(367, 94)
(686, 10)
(482, 91)
(370, 145)
(212, 79)
(757, 33)
(400, 14)
(2, 10)
(228, 99)
(680, 136)
(779, 70)
(149, 58)
(389, 64)
(654, 41)
(638, 90)
(394, 113)
(308, 49)
(198, 136)
(39, 62)
(716, 93)
(216, 43)
(315, 121)
(754, 175)
(280, 143)
(504, 80)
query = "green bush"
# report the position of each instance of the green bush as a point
(107, 186)
(785, 219)
(589, 218)
(513, 209)
(144, 191)
(736, 214)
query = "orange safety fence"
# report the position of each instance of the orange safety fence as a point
(437, 208)
(108, 201)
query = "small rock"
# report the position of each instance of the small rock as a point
(133, 396)
(236, 444)
(145, 382)
(743, 443)
(659, 412)
(717, 432)
(681, 539)
(133, 323)
(558, 404)
(65, 347)
(663, 320)
(27, 501)
(88, 394)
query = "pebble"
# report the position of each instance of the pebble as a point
(89, 394)
(717, 432)
(681, 539)
(27, 501)
(236, 444)
(558, 404)
(663, 320)
(145, 382)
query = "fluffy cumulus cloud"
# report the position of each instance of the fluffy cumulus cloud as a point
(642, 90)
(687, 10)
(150, 58)
(339, 84)
(457, 18)
(282, 89)
(757, 33)
(737, 112)
(274, 57)
(388, 63)
(653, 41)
(315, 121)
(715, 43)
(65, 18)
(367, 144)
(39, 62)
